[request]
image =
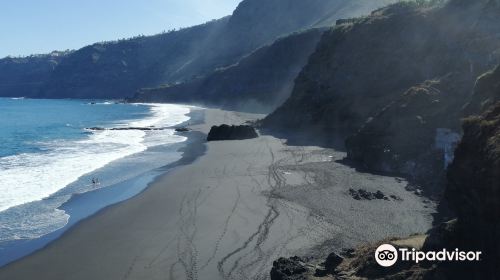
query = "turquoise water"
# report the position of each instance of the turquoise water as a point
(26, 122)
(48, 156)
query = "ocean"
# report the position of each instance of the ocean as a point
(49, 157)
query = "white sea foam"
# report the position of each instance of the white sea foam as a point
(164, 115)
(31, 177)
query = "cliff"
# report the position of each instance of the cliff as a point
(417, 133)
(394, 85)
(259, 82)
(262, 80)
(486, 92)
(474, 190)
(23, 76)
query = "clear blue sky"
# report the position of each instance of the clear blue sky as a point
(40, 26)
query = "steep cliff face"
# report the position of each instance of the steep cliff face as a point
(255, 23)
(394, 84)
(360, 68)
(259, 82)
(264, 79)
(486, 92)
(474, 189)
(417, 133)
(23, 76)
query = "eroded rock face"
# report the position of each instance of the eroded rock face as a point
(416, 134)
(474, 190)
(259, 82)
(359, 69)
(486, 92)
(389, 83)
(226, 132)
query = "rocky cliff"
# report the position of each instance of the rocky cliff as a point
(394, 84)
(264, 79)
(259, 82)
(486, 92)
(474, 190)
(23, 76)
(418, 132)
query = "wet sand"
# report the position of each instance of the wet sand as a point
(229, 214)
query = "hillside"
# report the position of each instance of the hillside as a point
(394, 85)
(264, 79)
(472, 190)
(259, 82)
(20, 77)
(118, 69)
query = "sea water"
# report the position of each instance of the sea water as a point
(48, 155)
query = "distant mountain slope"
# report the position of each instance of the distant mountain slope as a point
(264, 79)
(395, 84)
(255, 23)
(259, 82)
(20, 77)
(118, 69)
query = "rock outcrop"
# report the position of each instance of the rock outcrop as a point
(362, 194)
(474, 191)
(233, 132)
(394, 85)
(486, 92)
(416, 134)
(288, 269)
(358, 264)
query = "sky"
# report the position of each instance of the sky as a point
(41, 26)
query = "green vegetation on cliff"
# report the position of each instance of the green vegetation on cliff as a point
(394, 84)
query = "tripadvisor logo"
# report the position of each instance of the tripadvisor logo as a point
(387, 255)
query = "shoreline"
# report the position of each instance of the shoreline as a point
(81, 207)
(229, 214)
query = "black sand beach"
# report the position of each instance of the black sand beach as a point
(230, 213)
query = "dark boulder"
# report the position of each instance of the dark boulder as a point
(226, 132)
(332, 261)
(362, 194)
(288, 269)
